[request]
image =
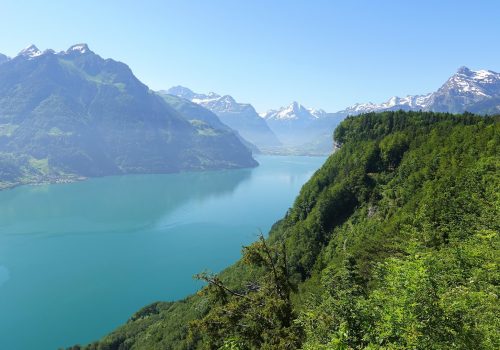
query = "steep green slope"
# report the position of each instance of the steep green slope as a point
(71, 114)
(193, 111)
(241, 117)
(393, 244)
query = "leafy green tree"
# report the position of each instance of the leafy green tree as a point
(259, 315)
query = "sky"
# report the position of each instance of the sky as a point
(322, 53)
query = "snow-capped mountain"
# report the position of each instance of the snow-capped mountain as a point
(296, 125)
(416, 102)
(188, 94)
(241, 117)
(222, 104)
(474, 91)
(474, 84)
(78, 48)
(318, 113)
(294, 111)
(30, 52)
(468, 90)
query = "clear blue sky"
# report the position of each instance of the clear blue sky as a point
(325, 54)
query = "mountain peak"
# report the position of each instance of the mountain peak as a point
(225, 98)
(317, 112)
(294, 111)
(78, 48)
(3, 58)
(476, 74)
(464, 70)
(218, 103)
(31, 51)
(188, 94)
(294, 106)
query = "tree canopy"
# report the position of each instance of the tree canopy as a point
(392, 244)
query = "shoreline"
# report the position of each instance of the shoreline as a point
(41, 183)
(77, 178)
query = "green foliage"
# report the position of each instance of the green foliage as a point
(259, 315)
(423, 250)
(392, 148)
(158, 326)
(392, 244)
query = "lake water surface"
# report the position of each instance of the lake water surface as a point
(76, 260)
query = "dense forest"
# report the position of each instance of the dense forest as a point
(392, 244)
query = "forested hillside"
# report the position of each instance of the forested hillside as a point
(393, 244)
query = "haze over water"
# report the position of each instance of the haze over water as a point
(76, 260)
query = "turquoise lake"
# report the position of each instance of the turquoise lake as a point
(77, 260)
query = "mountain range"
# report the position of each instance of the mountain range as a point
(466, 90)
(196, 113)
(301, 130)
(241, 117)
(74, 114)
(304, 128)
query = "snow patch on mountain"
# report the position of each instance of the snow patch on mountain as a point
(409, 102)
(30, 52)
(211, 101)
(78, 48)
(188, 94)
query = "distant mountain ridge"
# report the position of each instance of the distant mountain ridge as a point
(186, 93)
(303, 128)
(294, 111)
(308, 128)
(71, 114)
(466, 90)
(241, 117)
(195, 112)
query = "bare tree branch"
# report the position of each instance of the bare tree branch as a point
(273, 266)
(216, 282)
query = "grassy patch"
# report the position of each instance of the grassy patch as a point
(42, 165)
(56, 132)
(7, 129)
